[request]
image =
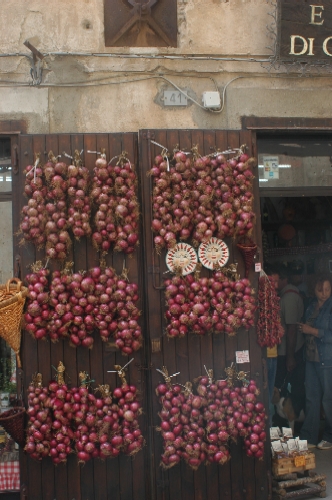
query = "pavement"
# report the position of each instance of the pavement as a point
(324, 466)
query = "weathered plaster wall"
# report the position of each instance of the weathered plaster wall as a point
(125, 95)
(205, 26)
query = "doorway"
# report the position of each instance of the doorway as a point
(295, 188)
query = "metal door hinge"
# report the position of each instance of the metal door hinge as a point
(156, 345)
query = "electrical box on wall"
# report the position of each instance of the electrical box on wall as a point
(211, 100)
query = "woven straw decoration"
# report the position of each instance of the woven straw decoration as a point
(248, 251)
(12, 300)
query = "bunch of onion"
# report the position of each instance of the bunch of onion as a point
(57, 237)
(200, 319)
(245, 303)
(103, 281)
(34, 213)
(62, 433)
(188, 306)
(178, 306)
(171, 399)
(203, 200)
(126, 206)
(244, 415)
(233, 303)
(81, 307)
(79, 206)
(232, 183)
(56, 177)
(108, 426)
(128, 335)
(223, 182)
(35, 182)
(39, 430)
(60, 315)
(37, 310)
(33, 221)
(195, 450)
(255, 411)
(84, 410)
(162, 220)
(242, 203)
(182, 184)
(222, 301)
(58, 240)
(129, 411)
(216, 437)
(102, 196)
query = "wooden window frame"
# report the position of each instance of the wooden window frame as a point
(277, 124)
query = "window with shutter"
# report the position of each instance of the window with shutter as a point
(140, 23)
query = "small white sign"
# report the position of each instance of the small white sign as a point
(258, 267)
(174, 98)
(242, 357)
(271, 167)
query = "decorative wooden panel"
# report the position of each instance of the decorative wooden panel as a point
(140, 23)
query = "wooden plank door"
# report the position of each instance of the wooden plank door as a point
(123, 478)
(242, 478)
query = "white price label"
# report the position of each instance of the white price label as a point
(258, 267)
(242, 357)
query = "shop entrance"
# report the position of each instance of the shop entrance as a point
(295, 179)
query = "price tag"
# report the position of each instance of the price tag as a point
(299, 461)
(242, 357)
(258, 267)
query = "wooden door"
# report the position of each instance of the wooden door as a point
(242, 478)
(122, 478)
(141, 477)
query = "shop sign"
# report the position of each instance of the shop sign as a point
(305, 30)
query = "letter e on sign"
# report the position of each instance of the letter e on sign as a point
(315, 13)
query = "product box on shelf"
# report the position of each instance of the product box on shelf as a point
(287, 465)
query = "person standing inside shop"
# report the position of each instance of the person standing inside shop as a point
(290, 361)
(318, 375)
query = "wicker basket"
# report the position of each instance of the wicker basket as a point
(13, 423)
(248, 250)
(12, 299)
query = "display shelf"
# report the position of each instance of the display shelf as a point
(299, 250)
